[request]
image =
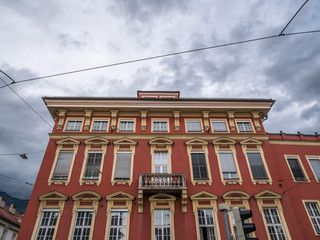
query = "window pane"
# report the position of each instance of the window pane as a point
(160, 126)
(161, 164)
(296, 169)
(63, 165)
(127, 125)
(219, 126)
(118, 224)
(314, 214)
(274, 224)
(199, 165)
(93, 165)
(256, 165)
(123, 165)
(74, 125)
(206, 224)
(228, 167)
(47, 224)
(244, 126)
(315, 164)
(82, 225)
(100, 125)
(162, 224)
(193, 126)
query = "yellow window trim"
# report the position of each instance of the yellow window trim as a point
(276, 197)
(305, 207)
(258, 144)
(162, 198)
(161, 142)
(53, 196)
(313, 156)
(245, 120)
(119, 196)
(160, 119)
(204, 148)
(73, 118)
(300, 164)
(193, 119)
(62, 147)
(217, 143)
(130, 146)
(84, 196)
(131, 119)
(99, 119)
(205, 196)
(220, 120)
(94, 141)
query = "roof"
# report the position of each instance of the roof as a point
(9, 217)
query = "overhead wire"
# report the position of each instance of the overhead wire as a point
(162, 56)
(8, 154)
(16, 179)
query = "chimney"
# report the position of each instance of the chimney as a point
(2, 202)
(12, 208)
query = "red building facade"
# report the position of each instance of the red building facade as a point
(157, 166)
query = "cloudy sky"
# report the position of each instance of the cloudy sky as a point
(39, 38)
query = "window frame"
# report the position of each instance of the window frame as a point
(100, 119)
(273, 224)
(219, 120)
(193, 119)
(160, 145)
(318, 204)
(253, 130)
(126, 119)
(47, 226)
(297, 157)
(73, 119)
(160, 120)
(314, 173)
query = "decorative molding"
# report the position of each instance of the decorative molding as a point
(143, 120)
(205, 115)
(231, 120)
(88, 114)
(256, 117)
(114, 114)
(62, 115)
(176, 115)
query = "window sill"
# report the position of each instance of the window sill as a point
(90, 182)
(58, 182)
(262, 181)
(202, 182)
(121, 182)
(232, 181)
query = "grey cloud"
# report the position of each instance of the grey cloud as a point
(68, 41)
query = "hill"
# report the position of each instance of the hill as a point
(20, 203)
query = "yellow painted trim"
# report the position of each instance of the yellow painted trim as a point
(313, 157)
(176, 116)
(219, 120)
(300, 164)
(160, 119)
(162, 198)
(99, 119)
(311, 201)
(193, 119)
(62, 115)
(245, 120)
(73, 118)
(127, 119)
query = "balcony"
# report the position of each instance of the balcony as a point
(171, 183)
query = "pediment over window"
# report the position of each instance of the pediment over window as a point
(124, 141)
(224, 141)
(196, 141)
(86, 196)
(120, 196)
(53, 196)
(267, 194)
(68, 141)
(96, 141)
(161, 141)
(250, 141)
(162, 196)
(236, 195)
(203, 195)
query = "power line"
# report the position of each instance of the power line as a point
(28, 104)
(293, 17)
(8, 154)
(162, 56)
(16, 179)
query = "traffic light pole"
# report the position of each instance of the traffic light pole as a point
(223, 207)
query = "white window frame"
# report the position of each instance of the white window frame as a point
(276, 226)
(315, 217)
(57, 162)
(98, 167)
(126, 129)
(234, 165)
(47, 227)
(194, 121)
(161, 122)
(73, 129)
(161, 165)
(206, 163)
(263, 164)
(100, 125)
(206, 225)
(118, 226)
(82, 226)
(162, 226)
(316, 175)
(245, 130)
(117, 160)
(297, 158)
(220, 121)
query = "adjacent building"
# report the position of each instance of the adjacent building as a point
(157, 166)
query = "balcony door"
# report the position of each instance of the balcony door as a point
(161, 163)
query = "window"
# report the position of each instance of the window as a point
(160, 126)
(219, 126)
(274, 224)
(62, 168)
(118, 224)
(82, 225)
(193, 126)
(206, 224)
(47, 224)
(123, 165)
(315, 165)
(296, 169)
(93, 165)
(256, 165)
(244, 126)
(74, 125)
(100, 125)
(228, 167)
(126, 126)
(3, 235)
(162, 224)
(14, 236)
(314, 214)
(199, 165)
(161, 163)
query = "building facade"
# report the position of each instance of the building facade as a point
(157, 166)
